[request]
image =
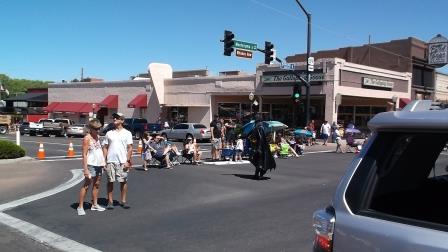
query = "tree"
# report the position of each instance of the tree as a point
(15, 86)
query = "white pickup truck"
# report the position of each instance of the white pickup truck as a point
(57, 127)
(37, 128)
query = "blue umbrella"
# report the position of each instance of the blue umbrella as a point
(268, 126)
(247, 128)
(303, 132)
(271, 126)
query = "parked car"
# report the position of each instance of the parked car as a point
(154, 128)
(106, 128)
(136, 126)
(76, 130)
(37, 128)
(393, 196)
(57, 127)
(24, 128)
(183, 130)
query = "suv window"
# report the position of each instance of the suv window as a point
(403, 177)
(140, 120)
(61, 121)
(199, 126)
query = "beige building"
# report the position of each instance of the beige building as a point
(340, 91)
(441, 92)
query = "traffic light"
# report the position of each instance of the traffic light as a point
(268, 52)
(296, 93)
(228, 42)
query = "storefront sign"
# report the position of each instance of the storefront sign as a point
(290, 78)
(377, 83)
(438, 51)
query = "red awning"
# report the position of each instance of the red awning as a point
(403, 102)
(140, 101)
(110, 102)
(74, 107)
(50, 107)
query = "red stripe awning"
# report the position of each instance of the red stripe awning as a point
(403, 102)
(140, 101)
(111, 102)
(50, 107)
(73, 107)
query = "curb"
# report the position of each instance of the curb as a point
(9, 161)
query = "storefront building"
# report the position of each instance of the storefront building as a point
(441, 93)
(340, 91)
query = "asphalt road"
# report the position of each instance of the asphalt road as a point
(198, 208)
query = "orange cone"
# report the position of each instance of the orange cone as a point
(41, 152)
(70, 152)
(140, 147)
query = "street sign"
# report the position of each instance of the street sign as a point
(243, 54)
(287, 66)
(244, 45)
(311, 64)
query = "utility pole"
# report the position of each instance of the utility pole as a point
(308, 74)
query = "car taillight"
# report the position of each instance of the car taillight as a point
(323, 223)
(145, 127)
(202, 131)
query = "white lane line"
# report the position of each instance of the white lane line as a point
(77, 177)
(44, 236)
(37, 233)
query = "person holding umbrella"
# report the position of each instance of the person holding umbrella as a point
(261, 157)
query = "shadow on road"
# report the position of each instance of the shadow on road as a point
(246, 176)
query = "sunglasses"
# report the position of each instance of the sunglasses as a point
(95, 128)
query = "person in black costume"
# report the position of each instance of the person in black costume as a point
(261, 156)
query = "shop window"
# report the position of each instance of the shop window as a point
(178, 115)
(363, 110)
(376, 110)
(346, 109)
(282, 113)
(229, 110)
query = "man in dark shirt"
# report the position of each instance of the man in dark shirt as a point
(215, 128)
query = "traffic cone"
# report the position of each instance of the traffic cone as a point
(140, 147)
(70, 152)
(41, 152)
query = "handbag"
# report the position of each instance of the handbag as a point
(148, 155)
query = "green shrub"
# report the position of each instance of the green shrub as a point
(9, 150)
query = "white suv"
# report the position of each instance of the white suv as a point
(394, 196)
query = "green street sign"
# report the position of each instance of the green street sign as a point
(244, 45)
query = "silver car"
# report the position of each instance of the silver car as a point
(76, 130)
(184, 130)
(393, 196)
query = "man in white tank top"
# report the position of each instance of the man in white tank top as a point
(118, 153)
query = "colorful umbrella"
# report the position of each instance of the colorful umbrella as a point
(303, 132)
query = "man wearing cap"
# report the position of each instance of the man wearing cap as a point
(118, 153)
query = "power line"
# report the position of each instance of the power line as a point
(329, 31)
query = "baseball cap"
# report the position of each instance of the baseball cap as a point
(118, 115)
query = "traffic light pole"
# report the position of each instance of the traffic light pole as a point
(308, 52)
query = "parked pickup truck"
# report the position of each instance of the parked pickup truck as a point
(136, 126)
(5, 122)
(37, 128)
(57, 127)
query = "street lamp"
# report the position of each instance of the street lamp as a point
(308, 51)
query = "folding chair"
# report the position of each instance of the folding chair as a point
(284, 150)
(227, 154)
(186, 157)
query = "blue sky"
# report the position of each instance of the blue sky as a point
(114, 39)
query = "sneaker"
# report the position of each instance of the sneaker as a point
(81, 211)
(110, 206)
(97, 208)
(125, 205)
(178, 153)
